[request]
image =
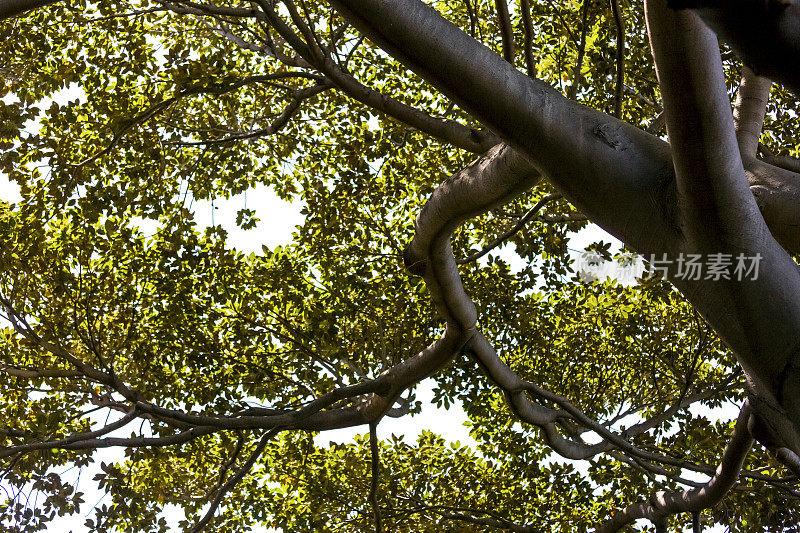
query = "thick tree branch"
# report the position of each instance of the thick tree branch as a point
(623, 178)
(620, 168)
(777, 193)
(784, 162)
(139, 442)
(720, 214)
(710, 175)
(764, 33)
(11, 8)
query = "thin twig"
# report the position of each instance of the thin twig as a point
(280, 121)
(235, 479)
(511, 231)
(618, 93)
(373, 487)
(664, 504)
(577, 75)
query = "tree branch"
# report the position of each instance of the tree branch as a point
(374, 480)
(785, 162)
(527, 26)
(708, 167)
(12, 8)
(235, 479)
(31, 373)
(465, 137)
(777, 193)
(275, 126)
(619, 165)
(748, 114)
(720, 214)
(506, 29)
(197, 8)
(620, 58)
(491, 522)
(73, 441)
(577, 74)
(511, 231)
(665, 504)
(764, 33)
(220, 88)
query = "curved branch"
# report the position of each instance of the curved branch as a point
(534, 413)
(665, 504)
(625, 180)
(777, 193)
(465, 137)
(618, 175)
(785, 162)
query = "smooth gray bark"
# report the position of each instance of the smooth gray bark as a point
(624, 180)
(748, 115)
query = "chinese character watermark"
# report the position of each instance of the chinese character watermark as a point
(624, 268)
(713, 267)
(629, 268)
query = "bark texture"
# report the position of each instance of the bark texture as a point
(690, 197)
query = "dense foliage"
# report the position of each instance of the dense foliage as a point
(115, 297)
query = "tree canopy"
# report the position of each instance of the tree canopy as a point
(427, 142)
